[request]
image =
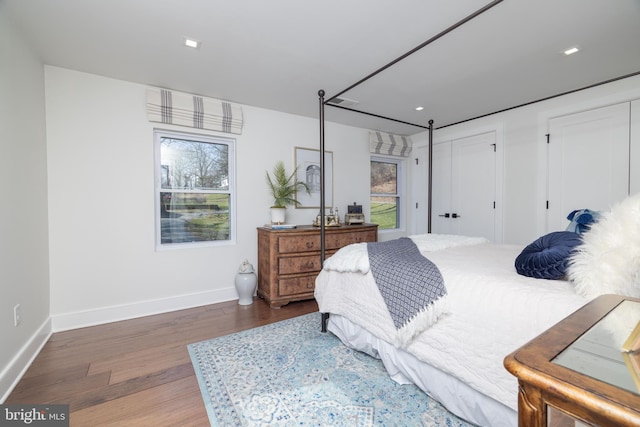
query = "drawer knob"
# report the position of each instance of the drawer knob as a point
(309, 245)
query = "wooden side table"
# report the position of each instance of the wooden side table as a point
(576, 371)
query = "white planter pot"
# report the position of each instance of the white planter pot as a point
(278, 215)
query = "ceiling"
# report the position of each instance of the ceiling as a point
(278, 54)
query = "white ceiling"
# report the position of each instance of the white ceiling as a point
(278, 54)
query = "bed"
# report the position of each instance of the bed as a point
(456, 352)
(491, 309)
(458, 360)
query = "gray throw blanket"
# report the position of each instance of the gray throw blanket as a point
(410, 284)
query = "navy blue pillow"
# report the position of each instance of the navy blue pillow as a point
(547, 256)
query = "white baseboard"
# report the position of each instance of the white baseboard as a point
(14, 371)
(98, 316)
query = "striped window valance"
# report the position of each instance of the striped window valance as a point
(389, 144)
(177, 108)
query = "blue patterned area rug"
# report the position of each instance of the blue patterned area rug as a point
(290, 374)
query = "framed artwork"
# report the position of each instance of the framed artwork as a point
(308, 163)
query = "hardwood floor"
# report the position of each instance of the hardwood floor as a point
(138, 372)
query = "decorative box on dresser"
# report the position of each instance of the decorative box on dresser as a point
(289, 260)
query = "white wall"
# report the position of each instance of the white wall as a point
(524, 185)
(104, 265)
(23, 212)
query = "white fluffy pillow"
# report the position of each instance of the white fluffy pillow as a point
(608, 262)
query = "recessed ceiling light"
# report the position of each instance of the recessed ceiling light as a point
(419, 108)
(191, 43)
(571, 51)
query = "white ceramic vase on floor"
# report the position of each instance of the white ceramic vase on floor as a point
(246, 282)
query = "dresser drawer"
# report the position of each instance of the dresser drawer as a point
(300, 243)
(302, 264)
(299, 264)
(294, 244)
(339, 240)
(296, 285)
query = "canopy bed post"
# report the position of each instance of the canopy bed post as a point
(430, 177)
(325, 316)
(322, 189)
(322, 102)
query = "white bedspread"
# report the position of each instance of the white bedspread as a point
(493, 311)
(354, 258)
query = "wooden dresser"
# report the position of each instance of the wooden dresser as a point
(289, 260)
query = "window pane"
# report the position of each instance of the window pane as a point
(384, 211)
(384, 178)
(385, 199)
(194, 189)
(194, 217)
(194, 165)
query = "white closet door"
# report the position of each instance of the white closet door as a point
(464, 183)
(473, 179)
(420, 191)
(441, 191)
(588, 162)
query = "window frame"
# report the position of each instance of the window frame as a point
(158, 135)
(400, 189)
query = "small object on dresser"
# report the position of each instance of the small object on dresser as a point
(354, 214)
(280, 226)
(330, 220)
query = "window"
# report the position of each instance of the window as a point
(385, 192)
(194, 189)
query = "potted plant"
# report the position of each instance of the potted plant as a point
(283, 189)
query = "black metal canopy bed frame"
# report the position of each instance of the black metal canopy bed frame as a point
(430, 127)
(476, 406)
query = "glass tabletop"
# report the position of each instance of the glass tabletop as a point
(598, 352)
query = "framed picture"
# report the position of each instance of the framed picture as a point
(308, 163)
